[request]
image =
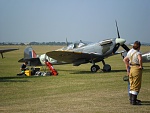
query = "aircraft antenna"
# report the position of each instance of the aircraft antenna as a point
(66, 42)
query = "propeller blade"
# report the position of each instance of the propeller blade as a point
(117, 30)
(125, 47)
(116, 47)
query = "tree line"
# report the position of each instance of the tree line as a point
(35, 43)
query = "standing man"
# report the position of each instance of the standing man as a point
(134, 61)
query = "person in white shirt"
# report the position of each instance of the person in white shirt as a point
(134, 61)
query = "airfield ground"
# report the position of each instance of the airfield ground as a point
(74, 90)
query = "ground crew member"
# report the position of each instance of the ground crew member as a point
(134, 61)
(23, 68)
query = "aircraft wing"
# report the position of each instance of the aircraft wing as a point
(76, 58)
(6, 50)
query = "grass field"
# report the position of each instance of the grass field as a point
(74, 90)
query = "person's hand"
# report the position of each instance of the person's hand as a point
(128, 73)
(140, 67)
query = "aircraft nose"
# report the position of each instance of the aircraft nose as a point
(121, 41)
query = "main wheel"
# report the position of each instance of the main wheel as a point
(94, 68)
(107, 68)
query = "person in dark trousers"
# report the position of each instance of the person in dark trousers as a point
(133, 63)
(23, 68)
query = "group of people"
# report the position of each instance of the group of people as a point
(133, 63)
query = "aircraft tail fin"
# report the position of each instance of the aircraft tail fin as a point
(31, 57)
(29, 53)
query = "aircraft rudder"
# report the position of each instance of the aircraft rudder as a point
(29, 53)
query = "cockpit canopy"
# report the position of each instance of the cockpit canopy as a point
(74, 46)
(105, 42)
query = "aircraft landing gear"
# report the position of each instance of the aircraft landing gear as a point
(106, 68)
(94, 68)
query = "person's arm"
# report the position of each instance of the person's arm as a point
(140, 61)
(22, 67)
(126, 61)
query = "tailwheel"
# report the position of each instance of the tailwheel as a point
(107, 68)
(94, 68)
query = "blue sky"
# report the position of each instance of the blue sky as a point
(87, 20)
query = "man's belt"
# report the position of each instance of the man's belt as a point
(134, 64)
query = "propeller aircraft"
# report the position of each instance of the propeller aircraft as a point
(39, 60)
(90, 53)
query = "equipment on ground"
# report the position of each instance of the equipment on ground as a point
(51, 68)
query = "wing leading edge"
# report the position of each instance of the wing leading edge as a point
(76, 58)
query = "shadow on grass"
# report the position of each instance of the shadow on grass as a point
(145, 102)
(146, 70)
(18, 78)
(13, 79)
(81, 72)
(99, 71)
(89, 72)
(75, 71)
(118, 71)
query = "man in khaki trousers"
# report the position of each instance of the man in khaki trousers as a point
(134, 61)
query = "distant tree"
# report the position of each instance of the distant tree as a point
(22, 44)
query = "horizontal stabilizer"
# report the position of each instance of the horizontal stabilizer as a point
(31, 61)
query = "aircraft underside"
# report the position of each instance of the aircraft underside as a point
(94, 67)
(106, 67)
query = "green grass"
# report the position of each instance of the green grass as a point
(74, 90)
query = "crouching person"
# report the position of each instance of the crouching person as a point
(23, 68)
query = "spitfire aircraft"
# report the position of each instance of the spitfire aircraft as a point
(6, 50)
(90, 53)
(81, 53)
(39, 60)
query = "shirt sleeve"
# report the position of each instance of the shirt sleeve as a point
(128, 54)
(139, 53)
